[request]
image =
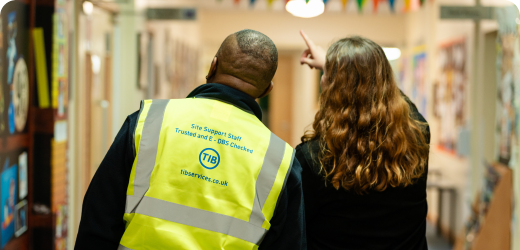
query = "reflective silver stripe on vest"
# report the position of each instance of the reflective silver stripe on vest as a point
(121, 247)
(200, 218)
(147, 153)
(267, 176)
(251, 231)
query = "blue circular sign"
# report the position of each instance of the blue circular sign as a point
(209, 158)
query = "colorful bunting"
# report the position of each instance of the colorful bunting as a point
(392, 5)
(409, 5)
(376, 4)
(345, 3)
(361, 3)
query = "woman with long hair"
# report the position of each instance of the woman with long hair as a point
(365, 160)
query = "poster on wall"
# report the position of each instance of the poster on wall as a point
(21, 218)
(8, 189)
(60, 58)
(508, 86)
(450, 93)
(418, 93)
(22, 175)
(59, 144)
(402, 75)
(14, 90)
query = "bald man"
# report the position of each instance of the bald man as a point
(201, 172)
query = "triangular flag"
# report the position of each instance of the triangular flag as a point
(270, 3)
(422, 2)
(392, 5)
(237, 2)
(407, 4)
(376, 4)
(345, 3)
(307, 1)
(325, 2)
(360, 3)
(252, 3)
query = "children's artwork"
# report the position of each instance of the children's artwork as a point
(508, 85)
(402, 78)
(21, 218)
(2, 98)
(22, 175)
(449, 93)
(61, 228)
(419, 94)
(10, 116)
(60, 58)
(7, 200)
(12, 30)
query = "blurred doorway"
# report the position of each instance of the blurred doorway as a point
(280, 100)
(95, 89)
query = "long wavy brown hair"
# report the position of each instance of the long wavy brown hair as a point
(368, 139)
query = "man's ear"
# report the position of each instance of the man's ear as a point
(212, 69)
(267, 91)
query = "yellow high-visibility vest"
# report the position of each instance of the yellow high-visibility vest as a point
(207, 175)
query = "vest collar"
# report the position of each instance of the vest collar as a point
(229, 95)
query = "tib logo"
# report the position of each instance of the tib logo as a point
(209, 158)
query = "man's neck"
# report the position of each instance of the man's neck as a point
(235, 83)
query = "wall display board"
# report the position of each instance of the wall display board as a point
(182, 63)
(60, 85)
(419, 94)
(450, 93)
(402, 71)
(14, 113)
(508, 86)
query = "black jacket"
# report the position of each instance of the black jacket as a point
(394, 219)
(102, 224)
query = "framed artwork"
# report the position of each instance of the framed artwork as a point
(450, 93)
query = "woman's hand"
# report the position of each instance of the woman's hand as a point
(314, 56)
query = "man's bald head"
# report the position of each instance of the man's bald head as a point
(249, 56)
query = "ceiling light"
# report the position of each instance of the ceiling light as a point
(301, 8)
(96, 64)
(517, 3)
(88, 8)
(392, 53)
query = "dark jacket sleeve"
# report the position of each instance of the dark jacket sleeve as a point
(288, 223)
(102, 224)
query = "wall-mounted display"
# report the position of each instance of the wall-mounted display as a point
(22, 176)
(20, 94)
(450, 93)
(12, 31)
(8, 187)
(419, 93)
(508, 86)
(21, 218)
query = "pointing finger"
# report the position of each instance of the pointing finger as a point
(307, 40)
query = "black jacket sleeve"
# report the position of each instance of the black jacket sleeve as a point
(102, 224)
(288, 223)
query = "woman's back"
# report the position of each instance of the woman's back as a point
(337, 219)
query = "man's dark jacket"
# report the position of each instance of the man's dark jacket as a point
(102, 224)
